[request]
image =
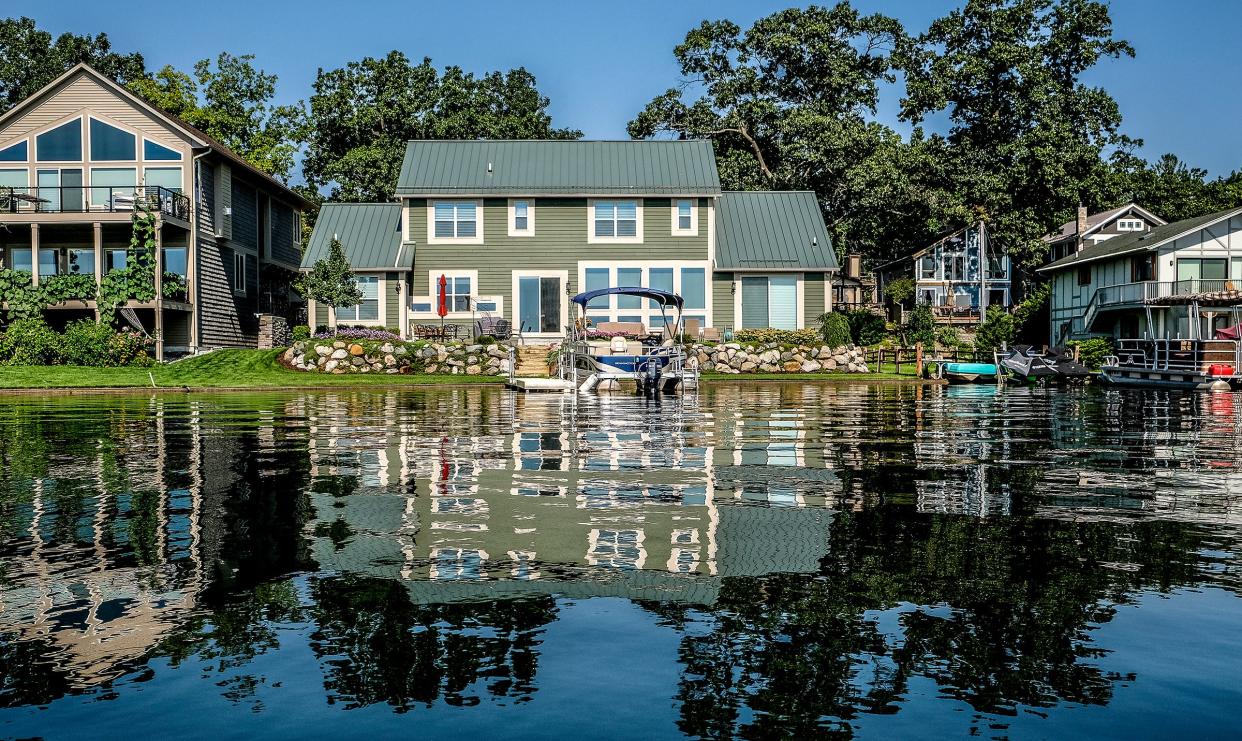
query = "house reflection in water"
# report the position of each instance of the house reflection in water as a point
(565, 495)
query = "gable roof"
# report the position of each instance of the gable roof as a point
(770, 230)
(1097, 221)
(201, 140)
(369, 232)
(1138, 241)
(559, 167)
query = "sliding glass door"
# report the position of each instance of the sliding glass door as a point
(539, 304)
(770, 301)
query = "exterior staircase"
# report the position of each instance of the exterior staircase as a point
(532, 361)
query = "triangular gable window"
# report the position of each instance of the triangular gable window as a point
(15, 153)
(110, 144)
(153, 151)
(61, 144)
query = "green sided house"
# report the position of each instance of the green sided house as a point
(517, 228)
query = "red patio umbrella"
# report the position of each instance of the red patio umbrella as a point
(442, 305)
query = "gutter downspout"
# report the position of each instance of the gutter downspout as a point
(195, 163)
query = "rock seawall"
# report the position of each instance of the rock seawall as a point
(734, 357)
(345, 356)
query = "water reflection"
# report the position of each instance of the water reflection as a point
(820, 553)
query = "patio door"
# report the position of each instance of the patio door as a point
(61, 190)
(539, 304)
(770, 301)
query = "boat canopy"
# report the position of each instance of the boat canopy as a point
(663, 298)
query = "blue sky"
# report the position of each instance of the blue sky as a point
(600, 63)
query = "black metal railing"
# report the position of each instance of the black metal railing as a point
(68, 199)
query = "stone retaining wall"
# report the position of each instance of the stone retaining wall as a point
(774, 358)
(342, 356)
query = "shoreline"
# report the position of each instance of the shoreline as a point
(443, 382)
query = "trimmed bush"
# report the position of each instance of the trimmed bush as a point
(29, 341)
(997, 330)
(301, 332)
(778, 336)
(922, 325)
(866, 328)
(835, 329)
(87, 343)
(1092, 352)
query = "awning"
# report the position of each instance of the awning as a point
(663, 298)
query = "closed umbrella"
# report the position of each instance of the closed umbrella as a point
(442, 306)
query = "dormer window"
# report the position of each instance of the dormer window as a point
(1131, 225)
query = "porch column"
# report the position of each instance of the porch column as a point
(98, 243)
(159, 291)
(310, 314)
(404, 314)
(34, 253)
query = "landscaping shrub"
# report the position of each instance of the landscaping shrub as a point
(1092, 352)
(29, 341)
(997, 330)
(87, 343)
(865, 327)
(301, 332)
(921, 327)
(950, 338)
(778, 336)
(835, 329)
(485, 339)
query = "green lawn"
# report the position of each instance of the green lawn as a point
(219, 369)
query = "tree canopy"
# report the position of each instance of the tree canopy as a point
(231, 101)
(330, 280)
(361, 116)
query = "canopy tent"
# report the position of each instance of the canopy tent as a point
(663, 298)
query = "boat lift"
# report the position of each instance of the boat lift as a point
(660, 364)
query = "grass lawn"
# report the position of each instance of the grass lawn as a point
(219, 369)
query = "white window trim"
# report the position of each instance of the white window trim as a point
(86, 141)
(142, 152)
(381, 291)
(638, 226)
(478, 222)
(800, 280)
(239, 260)
(146, 166)
(433, 295)
(530, 218)
(516, 320)
(650, 315)
(693, 231)
(1131, 225)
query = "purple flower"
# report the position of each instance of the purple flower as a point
(359, 333)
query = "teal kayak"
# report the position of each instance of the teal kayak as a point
(969, 371)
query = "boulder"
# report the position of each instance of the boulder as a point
(747, 366)
(791, 366)
(339, 354)
(356, 349)
(390, 360)
(830, 364)
(473, 370)
(323, 350)
(811, 366)
(338, 345)
(386, 348)
(330, 366)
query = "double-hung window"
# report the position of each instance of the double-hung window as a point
(455, 220)
(457, 292)
(685, 217)
(521, 218)
(615, 221)
(368, 310)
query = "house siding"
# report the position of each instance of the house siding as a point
(245, 216)
(560, 243)
(812, 298)
(285, 244)
(722, 300)
(389, 283)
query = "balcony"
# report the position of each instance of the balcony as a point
(1165, 292)
(78, 199)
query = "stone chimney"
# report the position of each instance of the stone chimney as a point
(853, 266)
(1082, 220)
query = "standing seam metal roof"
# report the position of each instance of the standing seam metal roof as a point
(369, 232)
(559, 167)
(1136, 241)
(772, 230)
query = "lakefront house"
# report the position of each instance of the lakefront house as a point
(959, 275)
(517, 228)
(1129, 285)
(79, 156)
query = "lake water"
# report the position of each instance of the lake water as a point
(757, 561)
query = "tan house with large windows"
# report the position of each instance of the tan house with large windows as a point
(76, 158)
(516, 228)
